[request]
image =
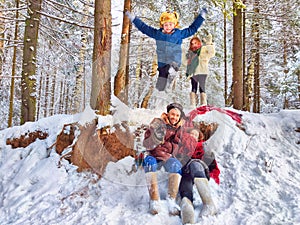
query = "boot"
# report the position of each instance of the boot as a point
(151, 178)
(174, 179)
(209, 207)
(193, 99)
(187, 211)
(203, 100)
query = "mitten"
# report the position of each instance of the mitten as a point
(159, 128)
(131, 16)
(208, 39)
(203, 12)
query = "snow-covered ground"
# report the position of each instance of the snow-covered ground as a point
(260, 176)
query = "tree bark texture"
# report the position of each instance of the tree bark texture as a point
(237, 60)
(101, 78)
(256, 105)
(122, 78)
(28, 80)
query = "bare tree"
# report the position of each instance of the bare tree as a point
(101, 79)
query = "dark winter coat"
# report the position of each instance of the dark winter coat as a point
(176, 141)
(168, 46)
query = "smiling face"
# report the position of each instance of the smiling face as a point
(168, 27)
(174, 116)
(195, 44)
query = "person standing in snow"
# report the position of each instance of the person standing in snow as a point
(164, 140)
(197, 59)
(198, 170)
(168, 43)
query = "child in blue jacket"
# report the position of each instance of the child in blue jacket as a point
(168, 41)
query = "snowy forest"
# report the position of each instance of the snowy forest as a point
(77, 84)
(58, 56)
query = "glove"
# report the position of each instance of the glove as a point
(203, 12)
(131, 16)
(208, 39)
(159, 128)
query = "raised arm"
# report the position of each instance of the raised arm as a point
(192, 29)
(141, 26)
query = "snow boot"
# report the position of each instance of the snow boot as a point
(187, 211)
(209, 207)
(203, 100)
(174, 179)
(151, 178)
(193, 100)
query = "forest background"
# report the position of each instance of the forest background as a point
(56, 57)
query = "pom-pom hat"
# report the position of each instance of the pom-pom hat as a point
(169, 17)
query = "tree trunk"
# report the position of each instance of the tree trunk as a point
(46, 96)
(54, 87)
(101, 79)
(122, 79)
(13, 71)
(28, 80)
(39, 106)
(79, 93)
(256, 104)
(237, 62)
(245, 96)
(225, 60)
(2, 27)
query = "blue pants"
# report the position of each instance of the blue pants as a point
(172, 165)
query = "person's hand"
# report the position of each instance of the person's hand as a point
(203, 12)
(208, 39)
(131, 16)
(159, 128)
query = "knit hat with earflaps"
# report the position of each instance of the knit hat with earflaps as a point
(169, 17)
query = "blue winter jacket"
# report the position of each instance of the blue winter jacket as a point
(168, 46)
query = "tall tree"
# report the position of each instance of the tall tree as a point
(122, 78)
(237, 63)
(13, 71)
(101, 78)
(28, 80)
(225, 55)
(79, 99)
(256, 58)
(2, 27)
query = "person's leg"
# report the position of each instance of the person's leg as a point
(197, 172)
(186, 193)
(193, 95)
(162, 77)
(203, 97)
(150, 167)
(173, 167)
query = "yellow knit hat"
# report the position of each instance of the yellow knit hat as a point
(169, 17)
